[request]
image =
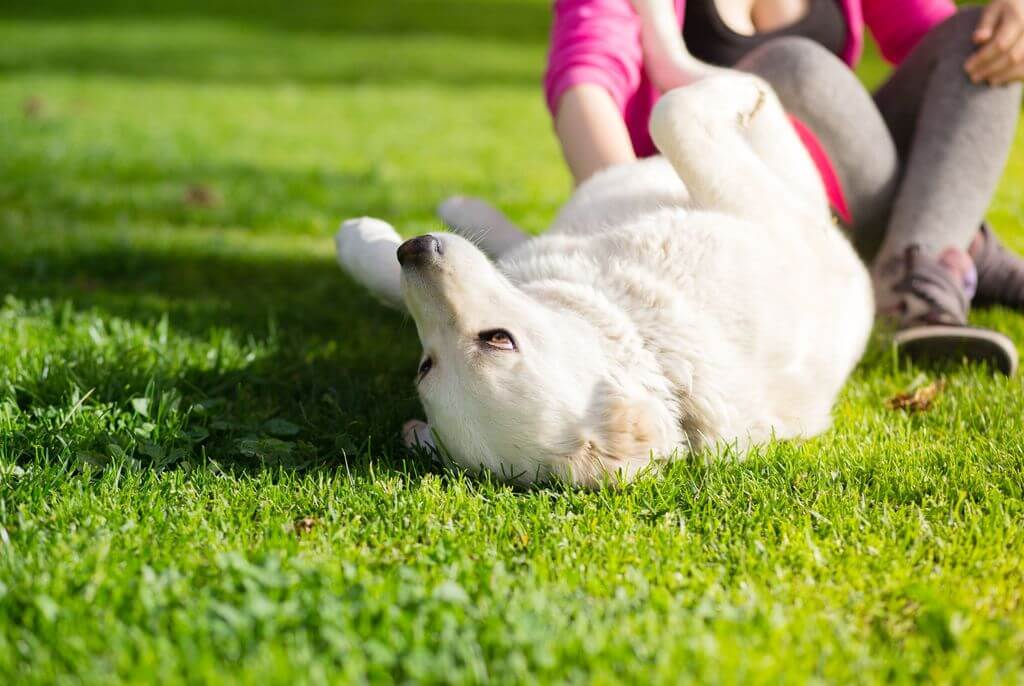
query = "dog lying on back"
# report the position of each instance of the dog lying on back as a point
(696, 300)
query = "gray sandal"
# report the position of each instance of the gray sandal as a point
(929, 300)
(938, 343)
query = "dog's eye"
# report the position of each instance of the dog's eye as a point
(498, 338)
(425, 366)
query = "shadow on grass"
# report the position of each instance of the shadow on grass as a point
(143, 242)
(248, 294)
(323, 357)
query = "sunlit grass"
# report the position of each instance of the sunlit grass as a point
(200, 478)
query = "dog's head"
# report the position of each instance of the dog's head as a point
(517, 387)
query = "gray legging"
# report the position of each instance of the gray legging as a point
(920, 161)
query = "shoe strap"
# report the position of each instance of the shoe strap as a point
(932, 294)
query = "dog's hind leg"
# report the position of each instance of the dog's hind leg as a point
(366, 251)
(481, 223)
(727, 137)
(773, 136)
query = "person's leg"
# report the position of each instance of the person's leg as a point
(820, 90)
(954, 136)
(1000, 271)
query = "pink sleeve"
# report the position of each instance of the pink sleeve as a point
(898, 25)
(594, 41)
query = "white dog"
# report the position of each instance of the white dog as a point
(700, 299)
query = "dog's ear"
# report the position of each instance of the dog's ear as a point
(629, 427)
(623, 433)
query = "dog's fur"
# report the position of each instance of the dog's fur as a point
(679, 303)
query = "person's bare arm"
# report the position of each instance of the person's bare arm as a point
(591, 130)
(587, 120)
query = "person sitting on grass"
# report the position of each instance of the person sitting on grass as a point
(910, 170)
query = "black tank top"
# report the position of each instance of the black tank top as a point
(711, 40)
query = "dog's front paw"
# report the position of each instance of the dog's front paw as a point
(366, 252)
(355, 236)
(417, 434)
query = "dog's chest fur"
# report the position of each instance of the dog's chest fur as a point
(689, 303)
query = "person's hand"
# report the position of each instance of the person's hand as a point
(999, 58)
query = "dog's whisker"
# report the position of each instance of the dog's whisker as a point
(478, 236)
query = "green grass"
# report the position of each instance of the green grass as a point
(200, 478)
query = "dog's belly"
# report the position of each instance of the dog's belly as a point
(760, 324)
(620, 195)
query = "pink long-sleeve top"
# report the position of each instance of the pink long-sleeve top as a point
(598, 42)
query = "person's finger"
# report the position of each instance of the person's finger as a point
(979, 61)
(992, 54)
(1008, 31)
(997, 70)
(987, 24)
(1013, 75)
(988, 48)
(1014, 71)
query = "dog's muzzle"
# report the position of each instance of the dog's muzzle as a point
(416, 251)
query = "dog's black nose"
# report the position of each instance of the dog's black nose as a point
(416, 249)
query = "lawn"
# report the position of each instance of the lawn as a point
(200, 477)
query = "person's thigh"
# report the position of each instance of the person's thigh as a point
(953, 137)
(820, 90)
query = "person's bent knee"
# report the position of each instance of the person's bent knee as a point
(953, 42)
(792, 53)
(964, 22)
(796, 67)
(956, 34)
